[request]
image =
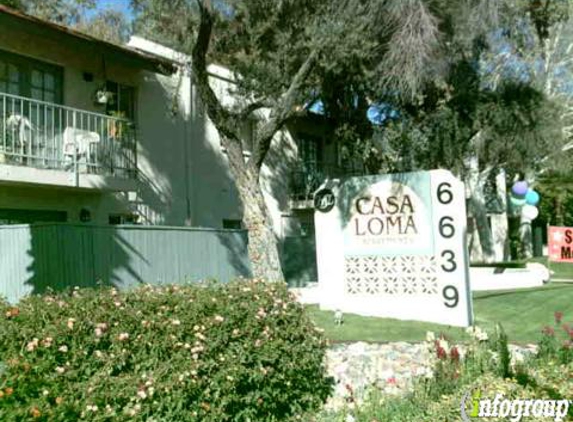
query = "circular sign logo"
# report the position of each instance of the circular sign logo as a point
(324, 200)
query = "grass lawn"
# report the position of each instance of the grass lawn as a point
(562, 270)
(523, 313)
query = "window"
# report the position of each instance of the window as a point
(30, 78)
(9, 78)
(115, 219)
(16, 216)
(122, 102)
(308, 149)
(43, 86)
(232, 224)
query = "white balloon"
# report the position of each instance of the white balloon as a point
(530, 212)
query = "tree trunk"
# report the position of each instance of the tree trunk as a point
(475, 180)
(478, 211)
(263, 245)
(558, 204)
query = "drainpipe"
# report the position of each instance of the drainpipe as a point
(189, 112)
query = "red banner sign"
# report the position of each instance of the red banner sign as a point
(560, 244)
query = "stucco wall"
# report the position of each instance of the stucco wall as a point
(199, 190)
(73, 59)
(184, 178)
(70, 201)
(77, 93)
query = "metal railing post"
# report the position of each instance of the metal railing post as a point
(76, 168)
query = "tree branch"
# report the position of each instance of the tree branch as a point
(220, 117)
(282, 112)
(254, 106)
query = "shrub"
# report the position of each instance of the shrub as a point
(243, 351)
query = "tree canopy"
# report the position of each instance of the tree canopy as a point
(107, 24)
(430, 62)
(479, 80)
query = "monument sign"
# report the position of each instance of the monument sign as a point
(394, 246)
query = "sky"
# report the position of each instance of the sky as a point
(122, 5)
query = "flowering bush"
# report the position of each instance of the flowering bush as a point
(243, 351)
(557, 341)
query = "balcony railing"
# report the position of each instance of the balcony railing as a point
(49, 136)
(307, 176)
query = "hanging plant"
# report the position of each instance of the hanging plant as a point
(102, 96)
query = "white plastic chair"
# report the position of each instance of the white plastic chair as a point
(78, 146)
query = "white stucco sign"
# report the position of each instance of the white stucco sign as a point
(394, 246)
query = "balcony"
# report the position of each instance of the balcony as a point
(307, 177)
(49, 144)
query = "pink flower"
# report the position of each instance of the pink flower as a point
(548, 331)
(350, 390)
(455, 354)
(392, 381)
(123, 337)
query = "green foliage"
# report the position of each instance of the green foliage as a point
(556, 207)
(106, 24)
(515, 124)
(501, 347)
(15, 4)
(534, 48)
(545, 14)
(238, 352)
(63, 12)
(155, 20)
(365, 49)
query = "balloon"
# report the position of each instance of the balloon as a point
(519, 188)
(530, 212)
(532, 197)
(516, 202)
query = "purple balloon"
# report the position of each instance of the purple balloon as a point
(519, 188)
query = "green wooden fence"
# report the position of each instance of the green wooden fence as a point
(36, 257)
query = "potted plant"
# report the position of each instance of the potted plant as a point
(102, 96)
